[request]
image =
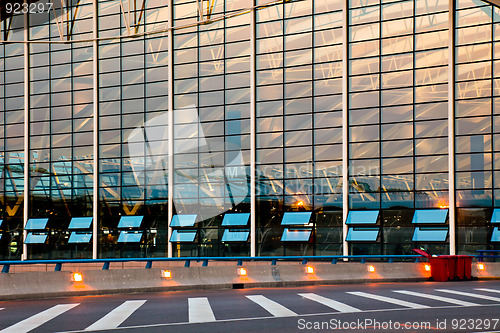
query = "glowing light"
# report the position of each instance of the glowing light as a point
(166, 274)
(77, 277)
(371, 269)
(242, 272)
(309, 270)
(427, 267)
(442, 204)
(300, 203)
(481, 267)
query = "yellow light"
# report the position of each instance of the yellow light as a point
(309, 270)
(77, 277)
(300, 203)
(427, 267)
(242, 272)
(166, 274)
(371, 269)
(481, 267)
(442, 204)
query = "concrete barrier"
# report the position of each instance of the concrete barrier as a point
(29, 285)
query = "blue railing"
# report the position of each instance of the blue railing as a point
(187, 260)
(481, 255)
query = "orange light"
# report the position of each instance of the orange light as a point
(310, 270)
(481, 267)
(427, 267)
(77, 277)
(242, 272)
(371, 269)
(300, 203)
(166, 274)
(442, 204)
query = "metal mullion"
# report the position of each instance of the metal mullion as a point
(170, 49)
(26, 189)
(345, 124)
(451, 126)
(95, 133)
(253, 135)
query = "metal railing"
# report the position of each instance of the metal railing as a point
(481, 255)
(187, 260)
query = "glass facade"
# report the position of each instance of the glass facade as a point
(155, 128)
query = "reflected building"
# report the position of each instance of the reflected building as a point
(155, 128)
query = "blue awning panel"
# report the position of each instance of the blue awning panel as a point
(183, 236)
(130, 221)
(129, 237)
(296, 235)
(79, 237)
(1, 236)
(362, 234)
(1, 221)
(36, 224)
(80, 223)
(495, 237)
(428, 234)
(232, 220)
(362, 217)
(32, 238)
(296, 218)
(430, 216)
(232, 235)
(183, 220)
(495, 218)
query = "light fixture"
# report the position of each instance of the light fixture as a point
(77, 277)
(242, 271)
(481, 266)
(427, 267)
(310, 270)
(371, 269)
(166, 274)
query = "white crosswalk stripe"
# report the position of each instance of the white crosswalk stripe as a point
(271, 306)
(200, 310)
(330, 303)
(489, 290)
(389, 300)
(39, 319)
(117, 316)
(437, 298)
(461, 293)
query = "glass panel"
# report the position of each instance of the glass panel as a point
(430, 216)
(495, 218)
(362, 217)
(296, 235)
(183, 221)
(35, 238)
(80, 223)
(495, 237)
(235, 219)
(129, 237)
(235, 235)
(362, 234)
(130, 221)
(423, 234)
(183, 236)
(296, 218)
(76, 237)
(36, 224)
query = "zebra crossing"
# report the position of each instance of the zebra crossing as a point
(200, 309)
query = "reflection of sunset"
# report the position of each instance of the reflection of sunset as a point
(443, 204)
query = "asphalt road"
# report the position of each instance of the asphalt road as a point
(472, 306)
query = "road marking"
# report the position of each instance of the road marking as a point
(489, 290)
(330, 303)
(389, 300)
(39, 319)
(200, 310)
(437, 298)
(116, 317)
(271, 306)
(461, 293)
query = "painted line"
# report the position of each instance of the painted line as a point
(271, 306)
(489, 290)
(330, 303)
(389, 300)
(200, 310)
(437, 298)
(39, 319)
(461, 293)
(116, 316)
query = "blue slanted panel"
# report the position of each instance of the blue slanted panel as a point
(80, 238)
(296, 218)
(38, 238)
(430, 216)
(232, 220)
(362, 234)
(362, 217)
(130, 221)
(36, 224)
(80, 223)
(235, 235)
(129, 237)
(1, 236)
(495, 218)
(183, 220)
(183, 236)
(430, 234)
(1, 221)
(495, 237)
(296, 235)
